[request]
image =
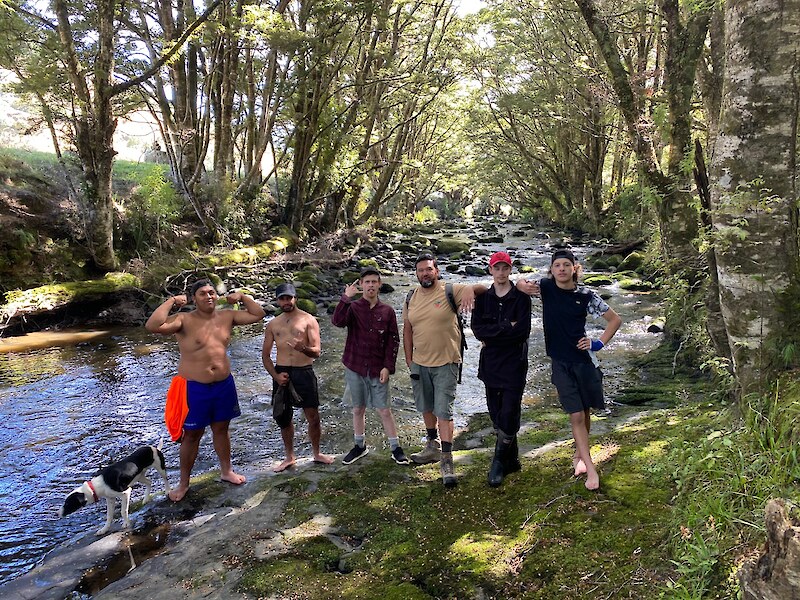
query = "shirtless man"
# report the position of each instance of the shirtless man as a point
(295, 334)
(204, 373)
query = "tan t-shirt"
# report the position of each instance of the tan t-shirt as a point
(437, 340)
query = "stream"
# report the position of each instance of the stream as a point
(74, 407)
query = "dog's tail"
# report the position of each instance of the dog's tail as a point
(161, 443)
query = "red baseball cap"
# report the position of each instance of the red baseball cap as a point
(499, 257)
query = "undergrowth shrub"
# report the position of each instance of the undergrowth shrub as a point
(150, 210)
(723, 485)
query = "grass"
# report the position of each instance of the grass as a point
(540, 535)
(124, 170)
(683, 489)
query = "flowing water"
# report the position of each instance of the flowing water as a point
(75, 405)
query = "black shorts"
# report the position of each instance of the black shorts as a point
(579, 385)
(305, 384)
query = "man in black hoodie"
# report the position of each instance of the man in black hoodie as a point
(501, 320)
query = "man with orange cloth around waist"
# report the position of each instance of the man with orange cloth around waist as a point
(203, 393)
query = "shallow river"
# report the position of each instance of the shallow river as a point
(71, 409)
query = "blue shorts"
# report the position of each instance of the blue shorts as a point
(579, 385)
(211, 403)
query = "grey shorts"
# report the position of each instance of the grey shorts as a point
(435, 389)
(366, 392)
(579, 385)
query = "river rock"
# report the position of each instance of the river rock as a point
(633, 262)
(451, 246)
(775, 574)
(475, 271)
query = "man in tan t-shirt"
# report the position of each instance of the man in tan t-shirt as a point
(204, 373)
(295, 335)
(431, 342)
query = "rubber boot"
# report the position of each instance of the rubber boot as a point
(512, 464)
(497, 471)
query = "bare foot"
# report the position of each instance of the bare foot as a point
(177, 494)
(592, 481)
(323, 459)
(579, 466)
(233, 478)
(287, 462)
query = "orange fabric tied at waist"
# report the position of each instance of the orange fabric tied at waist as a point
(176, 408)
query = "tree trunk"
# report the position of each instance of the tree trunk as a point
(775, 575)
(754, 181)
(678, 217)
(94, 129)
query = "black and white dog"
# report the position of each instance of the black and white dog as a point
(115, 481)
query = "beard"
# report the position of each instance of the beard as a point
(426, 283)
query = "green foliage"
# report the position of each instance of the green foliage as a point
(723, 483)
(426, 215)
(633, 211)
(152, 207)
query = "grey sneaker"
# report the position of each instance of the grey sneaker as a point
(354, 454)
(448, 472)
(400, 457)
(432, 452)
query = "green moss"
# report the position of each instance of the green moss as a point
(451, 246)
(541, 535)
(307, 305)
(52, 296)
(306, 276)
(633, 262)
(636, 285)
(595, 280)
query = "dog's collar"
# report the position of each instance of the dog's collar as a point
(94, 494)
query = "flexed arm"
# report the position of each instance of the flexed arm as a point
(161, 322)
(253, 312)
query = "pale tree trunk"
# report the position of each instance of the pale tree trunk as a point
(754, 181)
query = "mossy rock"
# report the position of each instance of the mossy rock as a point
(475, 271)
(526, 269)
(349, 277)
(637, 396)
(636, 285)
(405, 248)
(311, 269)
(309, 286)
(596, 280)
(368, 262)
(451, 246)
(386, 288)
(633, 262)
(599, 264)
(307, 305)
(306, 277)
(452, 268)
(274, 282)
(614, 260)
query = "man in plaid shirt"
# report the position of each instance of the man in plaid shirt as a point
(369, 357)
